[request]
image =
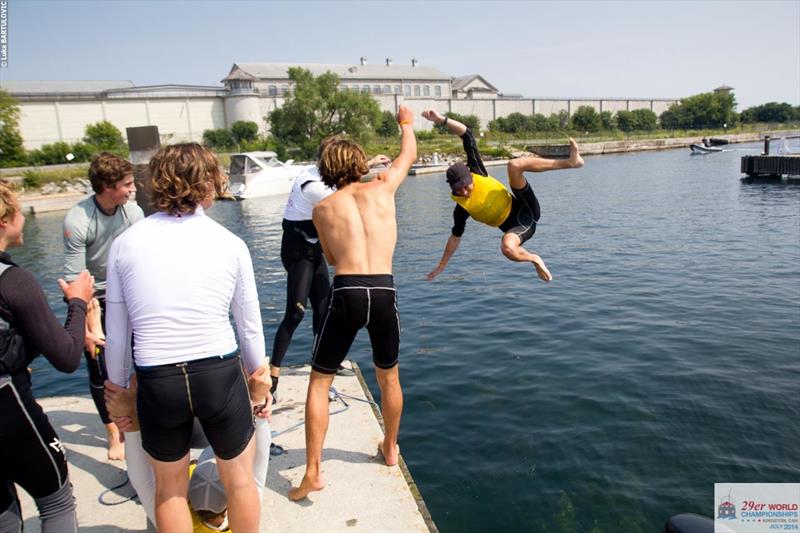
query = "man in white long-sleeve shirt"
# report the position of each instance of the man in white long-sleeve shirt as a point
(173, 282)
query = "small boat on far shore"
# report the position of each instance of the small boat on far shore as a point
(699, 149)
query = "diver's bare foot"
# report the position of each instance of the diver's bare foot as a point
(541, 269)
(116, 450)
(307, 486)
(392, 456)
(575, 160)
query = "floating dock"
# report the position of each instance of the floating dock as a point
(771, 165)
(362, 493)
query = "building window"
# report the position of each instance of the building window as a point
(408, 90)
(438, 91)
(376, 89)
(426, 90)
(397, 89)
(387, 89)
(365, 89)
(284, 89)
(273, 90)
(416, 90)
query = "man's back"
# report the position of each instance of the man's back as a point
(358, 228)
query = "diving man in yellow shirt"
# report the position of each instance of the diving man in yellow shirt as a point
(485, 199)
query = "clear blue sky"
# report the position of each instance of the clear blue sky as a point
(570, 49)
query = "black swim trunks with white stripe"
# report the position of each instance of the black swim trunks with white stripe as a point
(358, 301)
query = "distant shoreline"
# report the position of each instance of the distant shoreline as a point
(37, 203)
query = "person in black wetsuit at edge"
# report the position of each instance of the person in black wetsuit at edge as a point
(31, 454)
(301, 256)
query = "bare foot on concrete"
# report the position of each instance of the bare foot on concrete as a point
(392, 456)
(575, 160)
(116, 450)
(541, 269)
(307, 486)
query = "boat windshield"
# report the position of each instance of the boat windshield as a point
(271, 162)
(242, 164)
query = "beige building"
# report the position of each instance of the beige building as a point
(54, 111)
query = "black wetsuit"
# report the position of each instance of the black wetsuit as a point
(525, 210)
(31, 454)
(307, 279)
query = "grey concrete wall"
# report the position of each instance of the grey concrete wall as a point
(185, 119)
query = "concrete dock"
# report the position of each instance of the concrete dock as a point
(362, 493)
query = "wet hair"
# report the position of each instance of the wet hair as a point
(107, 170)
(9, 203)
(184, 175)
(342, 162)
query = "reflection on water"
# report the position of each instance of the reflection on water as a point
(662, 358)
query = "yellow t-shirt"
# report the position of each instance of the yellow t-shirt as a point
(490, 201)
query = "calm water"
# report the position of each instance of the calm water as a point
(663, 358)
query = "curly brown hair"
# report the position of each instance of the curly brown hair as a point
(342, 162)
(107, 170)
(9, 203)
(182, 176)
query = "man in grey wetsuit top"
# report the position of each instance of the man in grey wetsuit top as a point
(89, 229)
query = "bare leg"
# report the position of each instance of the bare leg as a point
(94, 323)
(391, 409)
(244, 505)
(116, 450)
(172, 484)
(316, 426)
(516, 167)
(513, 250)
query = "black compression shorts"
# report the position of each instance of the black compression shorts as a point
(359, 301)
(214, 390)
(525, 213)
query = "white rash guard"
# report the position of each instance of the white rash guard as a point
(172, 281)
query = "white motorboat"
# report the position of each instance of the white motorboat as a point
(257, 174)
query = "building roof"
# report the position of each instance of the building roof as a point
(237, 73)
(463, 81)
(63, 86)
(351, 72)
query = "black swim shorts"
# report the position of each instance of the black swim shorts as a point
(214, 390)
(525, 213)
(359, 301)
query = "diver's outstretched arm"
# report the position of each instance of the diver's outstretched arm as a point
(453, 126)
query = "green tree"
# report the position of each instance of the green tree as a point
(105, 136)
(388, 125)
(244, 131)
(705, 110)
(220, 139)
(607, 121)
(470, 121)
(12, 152)
(770, 112)
(50, 154)
(585, 118)
(317, 109)
(644, 120)
(625, 121)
